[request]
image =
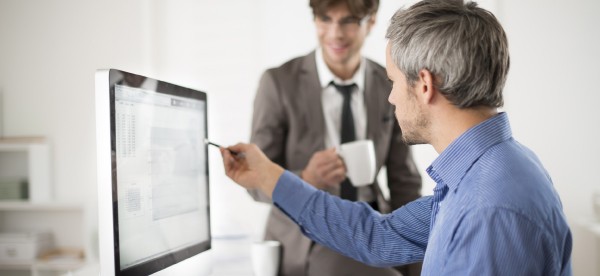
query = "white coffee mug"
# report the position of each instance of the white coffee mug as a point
(265, 258)
(359, 158)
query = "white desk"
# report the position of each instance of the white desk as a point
(231, 257)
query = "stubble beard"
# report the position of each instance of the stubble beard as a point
(416, 132)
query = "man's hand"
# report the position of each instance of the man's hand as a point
(325, 168)
(250, 168)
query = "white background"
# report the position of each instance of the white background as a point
(49, 51)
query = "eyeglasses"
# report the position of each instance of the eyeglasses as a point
(347, 24)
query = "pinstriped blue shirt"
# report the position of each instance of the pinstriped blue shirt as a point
(494, 212)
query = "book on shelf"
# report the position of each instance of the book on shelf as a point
(14, 188)
(22, 139)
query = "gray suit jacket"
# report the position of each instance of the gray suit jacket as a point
(289, 126)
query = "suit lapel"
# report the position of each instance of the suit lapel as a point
(372, 101)
(376, 109)
(310, 87)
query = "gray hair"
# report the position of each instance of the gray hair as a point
(463, 46)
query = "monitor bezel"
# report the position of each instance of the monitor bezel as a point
(111, 77)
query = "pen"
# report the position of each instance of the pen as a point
(219, 146)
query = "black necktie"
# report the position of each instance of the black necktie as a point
(348, 191)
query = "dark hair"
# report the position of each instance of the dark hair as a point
(463, 46)
(358, 8)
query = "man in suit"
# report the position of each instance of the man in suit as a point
(299, 119)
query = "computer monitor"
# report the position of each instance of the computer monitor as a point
(152, 169)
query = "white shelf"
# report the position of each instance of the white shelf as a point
(43, 265)
(33, 206)
(28, 158)
(20, 143)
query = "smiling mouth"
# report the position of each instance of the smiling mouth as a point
(337, 48)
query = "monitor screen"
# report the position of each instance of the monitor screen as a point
(152, 173)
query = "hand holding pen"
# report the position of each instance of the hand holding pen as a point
(234, 153)
(248, 166)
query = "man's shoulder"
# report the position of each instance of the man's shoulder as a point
(374, 68)
(293, 65)
(511, 176)
(375, 65)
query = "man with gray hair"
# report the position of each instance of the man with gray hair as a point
(494, 210)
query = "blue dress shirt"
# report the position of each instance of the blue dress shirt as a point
(494, 212)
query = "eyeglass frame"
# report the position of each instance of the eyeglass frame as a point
(344, 23)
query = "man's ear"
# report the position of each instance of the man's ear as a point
(373, 19)
(371, 22)
(425, 87)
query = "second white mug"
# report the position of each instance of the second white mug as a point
(265, 258)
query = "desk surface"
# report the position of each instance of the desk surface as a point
(231, 257)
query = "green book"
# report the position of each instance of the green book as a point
(14, 189)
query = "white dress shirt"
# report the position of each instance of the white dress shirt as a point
(332, 100)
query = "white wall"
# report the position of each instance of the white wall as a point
(50, 49)
(551, 98)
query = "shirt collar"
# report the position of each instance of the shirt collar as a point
(455, 161)
(326, 76)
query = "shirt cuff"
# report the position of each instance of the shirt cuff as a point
(291, 194)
